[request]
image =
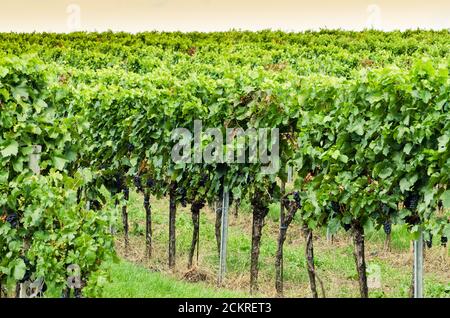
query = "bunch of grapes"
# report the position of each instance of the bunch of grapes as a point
(412, 219)
(182, 196)
(95, 205)
(335, 207)
(198, 205)
(444, 240)
(150, 183)
(181, 191)
(346, 227)
(130, 147)
(297, 198)
(411, 201)
(203, 179)
(387, 226)
(13, 220)
(119, 183)
(272, 188)
(430, 241)
(137, 180)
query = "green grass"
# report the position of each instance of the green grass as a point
(132, 281)
(334, 261)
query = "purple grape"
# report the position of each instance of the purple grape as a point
(429, 242)
(387, 226)
(444, 240)
(346, 227)
(13, 220)
(411, 201)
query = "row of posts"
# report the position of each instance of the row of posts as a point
(418, 244)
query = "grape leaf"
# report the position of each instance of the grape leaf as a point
(10, 149)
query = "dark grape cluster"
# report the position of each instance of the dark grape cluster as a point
(411, 201)
(13, 220)
(297, 198)
(137, 180)
(387, 226)
(181, 192)
(150, 183)
(429, 242)
(346, 227)
(197, 206)
(203, 179)
(335, 207)
(119, 182)
(95, 205)
(126, 193)
(412, 219)
(444, 240)
(130, 147)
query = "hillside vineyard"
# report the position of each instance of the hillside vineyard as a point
(363, 120)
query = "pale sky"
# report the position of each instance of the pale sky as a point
(220, 15)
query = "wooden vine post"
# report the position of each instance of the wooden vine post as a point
(260, 211)
(148, 224)
(359, 253)
(309, 251)
(195, 211)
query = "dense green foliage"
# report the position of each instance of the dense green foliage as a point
(363, 118)
(44, 227)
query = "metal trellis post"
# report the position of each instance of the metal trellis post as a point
(289, 174)
(418, 266)
(224, 237)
